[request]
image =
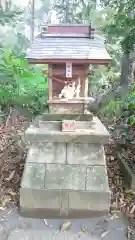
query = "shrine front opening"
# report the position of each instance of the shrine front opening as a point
(68, 87)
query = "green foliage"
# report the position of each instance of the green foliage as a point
(124, 107)
(112, 109)
(74, 11)
(130, 107)
(21, 85)
(10, 16)
(122, 23)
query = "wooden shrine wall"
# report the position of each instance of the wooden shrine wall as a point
(58, 76)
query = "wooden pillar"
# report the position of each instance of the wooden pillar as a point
(82, 87)
(86, 84)
(50, 90)
(86, 87)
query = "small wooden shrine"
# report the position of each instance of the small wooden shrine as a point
(68, 50)
(65, 174)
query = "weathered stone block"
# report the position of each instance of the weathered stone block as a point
(65, 177)
(97, 133)
(65, 174)
(64, 203)
(33, 176)
(85, 153)
(45, 200)
(68, 116)
(47, 153)
(128, 174)
(67, 107)
(97, 179)
(89, 201)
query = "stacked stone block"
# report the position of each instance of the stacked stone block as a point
(65, 176)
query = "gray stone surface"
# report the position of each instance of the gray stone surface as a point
(71, 116)
(89, 201)
(97, 133)
(71, 153)
(47, 153)
(65, 175)
(109, 227)
(97, 179)
(88, 154)
(128, 174)
(42, 200)
(60, 190)
(49, 235)
(61, 204)
(34, 175)
(58, 126)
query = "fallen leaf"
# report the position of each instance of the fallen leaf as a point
(45, 222)
(66, 226)
(6, 200)
(10, 176)
(114, 217)
(104, 233)
(2, 208)
(12, 192)
(83, 229)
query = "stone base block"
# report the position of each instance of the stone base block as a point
(62, 181)
(95, 133)
(65, 173)
(62, 204)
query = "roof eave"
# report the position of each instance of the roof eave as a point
(77, 61)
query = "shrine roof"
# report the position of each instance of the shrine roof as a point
(69, 46)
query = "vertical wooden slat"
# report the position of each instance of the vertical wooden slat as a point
(82, 87)
(50, 90)
(86, 85)
(86, 88)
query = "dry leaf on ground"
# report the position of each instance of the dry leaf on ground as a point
(10, 176)
(66, 226)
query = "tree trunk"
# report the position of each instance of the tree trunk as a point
(67, 11)
(32, 19)
(3, 4)
(125, 70)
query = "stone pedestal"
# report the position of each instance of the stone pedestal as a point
(70, 106)
(65, 172)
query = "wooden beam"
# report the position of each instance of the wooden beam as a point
(77, 61)
(58, 80)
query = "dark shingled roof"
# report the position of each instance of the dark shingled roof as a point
(67, 47)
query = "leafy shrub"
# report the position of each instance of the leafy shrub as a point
(21, 84)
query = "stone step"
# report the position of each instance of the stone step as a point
(31, 234)
(63, 204)
(96, 133)
(47, 235)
